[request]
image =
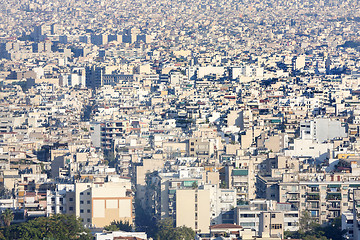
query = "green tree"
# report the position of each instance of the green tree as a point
(223, 184)
(310, 230)
(185, 233)
(333, 230)
(312, 237)
(7, 216)
(110, 158)
(166, 230)
(307, 223)
(111, 228)
(60, 227)
(119, 225)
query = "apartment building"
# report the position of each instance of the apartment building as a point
(100, 203)
(192, 209)
(271, 224)
(250, 215)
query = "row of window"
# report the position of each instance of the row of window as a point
(276, 226)
(82, 210)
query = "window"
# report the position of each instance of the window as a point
(314, 213)
(71, 199)
(88, 220)
(88, 193)
(88, 201)
(273, 215)
(88, 211)
(276, 226)
(247, 215)
(81, 210)
(71, 209)
(248, 224)
(81, 193)
(81, 202)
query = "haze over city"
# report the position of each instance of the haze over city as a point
(180, 119)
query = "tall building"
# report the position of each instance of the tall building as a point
(192, 209)
(94, 76)
(100, 39)
(100, 203)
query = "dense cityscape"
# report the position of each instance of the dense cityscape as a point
(180, 119)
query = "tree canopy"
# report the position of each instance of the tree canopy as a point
(162, 229)
(119, 225)
(167, 231)
(7, 216)
(311, 230)
(55, 227)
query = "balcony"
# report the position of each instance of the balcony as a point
(333, 196)
(314, 189)
(313, 197)
(334, 214)
(334, 206)
(293, 199)
(313, 205)
(334, 189)
(294, 191)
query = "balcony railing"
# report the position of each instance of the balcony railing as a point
(313, 197)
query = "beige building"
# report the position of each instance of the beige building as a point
(201, 148)
(100, 203)
(147, 166)
(241, 178)
(193, 209)
(271, 224)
